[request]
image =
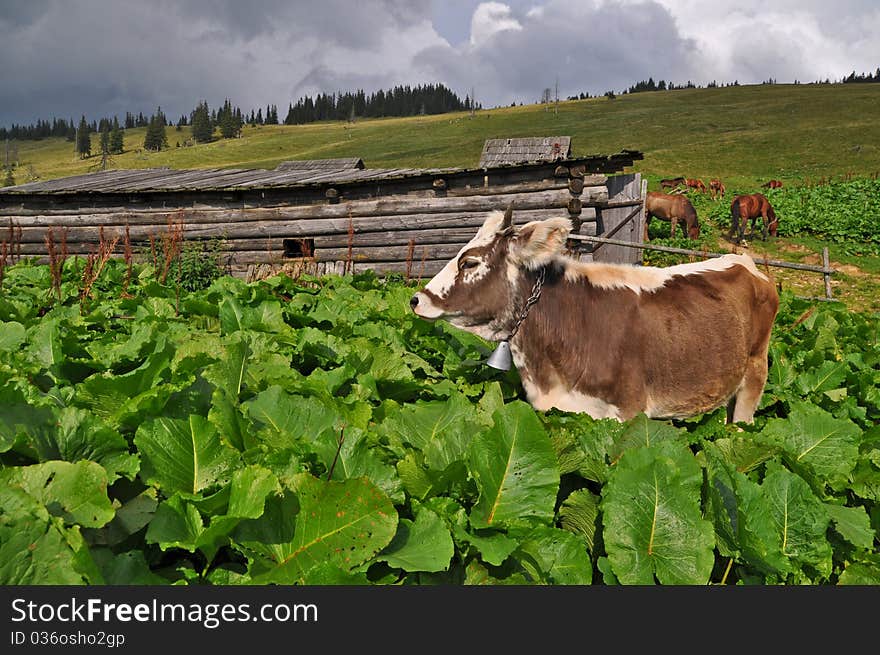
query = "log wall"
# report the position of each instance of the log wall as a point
(412, 227)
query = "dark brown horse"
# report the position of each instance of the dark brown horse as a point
(744, 208)
(672, 208)
(672, 182)
(772, 184)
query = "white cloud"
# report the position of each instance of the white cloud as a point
(490, 18)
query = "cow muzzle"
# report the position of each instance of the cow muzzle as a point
(423, 307)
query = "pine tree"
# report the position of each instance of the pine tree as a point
(201, 124)
(117, 140)
(230, 122)
(9, 180)
(105, 139)
(156, 139)
(83, 141)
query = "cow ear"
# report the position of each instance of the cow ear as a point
(538, 242)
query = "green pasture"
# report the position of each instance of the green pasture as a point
(743, 134)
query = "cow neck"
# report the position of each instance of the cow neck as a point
(533, 298)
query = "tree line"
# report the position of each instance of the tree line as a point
(228, 120)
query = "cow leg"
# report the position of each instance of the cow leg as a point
(750, 390)
(731, 404)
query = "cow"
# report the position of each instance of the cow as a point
(610, 340)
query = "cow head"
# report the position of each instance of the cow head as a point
(483, 288)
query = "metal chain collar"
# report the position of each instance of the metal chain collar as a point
(531, 300)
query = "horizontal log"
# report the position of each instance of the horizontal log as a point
(503, 189)
(417, 270)
(85, 240)
(390, 253)
(398, 238)
(398, 206)
(291, 228)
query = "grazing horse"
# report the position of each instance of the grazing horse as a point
(716, 187)
(672, 208)
(772, 184)
(672, 182)
(695, 184)
(610, 340)
(751, 207)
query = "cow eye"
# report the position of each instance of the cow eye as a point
(468, 262)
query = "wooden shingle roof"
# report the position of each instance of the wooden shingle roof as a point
(309, 174)
(501, 152)
(323, 164)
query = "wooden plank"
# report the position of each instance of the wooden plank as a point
(622, 220)
(394, 206)
(395, 229)
(390, 253)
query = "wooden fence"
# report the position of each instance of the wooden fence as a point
(825, 269)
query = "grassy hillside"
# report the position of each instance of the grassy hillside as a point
(742, 134)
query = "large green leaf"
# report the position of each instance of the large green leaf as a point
(515, 469)
(81, 436)
(44, 344)
(800, 518)
(744, 525)
(358, 456)
(228, 374)
(344, 523)
(12, 335)
(653, 527)
(128, 398)
(643, 431)
(441, 429)
(266, 316)
(421, 545)
(286, 420)
(853, 524)
(579, 514)
(76, 492)
(812, 438)
(36, 549)
(554, 556)
(28, 428)
(183, 455)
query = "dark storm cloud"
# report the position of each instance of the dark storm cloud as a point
(589, 48)
(65, 59)
(21, 13)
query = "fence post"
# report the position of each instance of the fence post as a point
(826, 273)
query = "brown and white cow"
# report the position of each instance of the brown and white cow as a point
(611, 340)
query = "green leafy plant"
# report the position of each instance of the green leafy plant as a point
(199, 264)
(314, 431)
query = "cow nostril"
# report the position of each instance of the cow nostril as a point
(414, 301)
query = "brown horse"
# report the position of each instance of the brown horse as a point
(772, 184)
(672, 208)
(716, 187)
(695, 184)
(672, 182)
(751, 207)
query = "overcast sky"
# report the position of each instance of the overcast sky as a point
(66, 58)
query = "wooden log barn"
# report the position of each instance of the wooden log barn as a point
(335, 214)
